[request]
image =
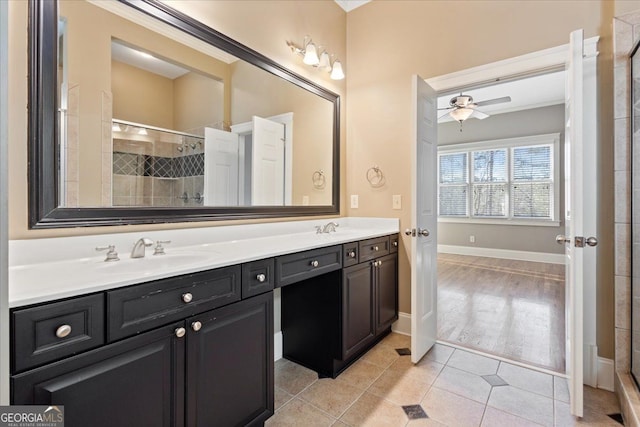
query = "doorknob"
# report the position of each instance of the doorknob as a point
(561, 239)
(423, 232)
(410, 232)
(591, 241)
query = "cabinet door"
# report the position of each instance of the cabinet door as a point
(386, 282)
(357, 308)
(135, 382)
(230, 364)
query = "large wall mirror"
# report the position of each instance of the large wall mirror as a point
(140, 114)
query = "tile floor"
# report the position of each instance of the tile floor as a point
(451, 386)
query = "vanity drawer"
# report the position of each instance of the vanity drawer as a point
(349, 254)
(53, 331)
(258, 277)
(304, 265)
(142, 307)
(394, 242)
(374, 248)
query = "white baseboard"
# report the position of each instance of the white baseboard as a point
(503, 253)
(606, 373)
(277, 346)
(403, 324)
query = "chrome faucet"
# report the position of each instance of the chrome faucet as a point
(329, 227)
(139, 248)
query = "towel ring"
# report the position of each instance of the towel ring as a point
(319, 180)
(375, 176)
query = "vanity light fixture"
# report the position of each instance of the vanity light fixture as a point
(317, 57)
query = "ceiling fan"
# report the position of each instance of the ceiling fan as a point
(462, 107)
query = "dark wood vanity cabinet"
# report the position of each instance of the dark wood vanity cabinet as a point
(207, 368)
(330, 320)
(135, 382)
(230, 364)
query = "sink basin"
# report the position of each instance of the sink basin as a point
(152, 263)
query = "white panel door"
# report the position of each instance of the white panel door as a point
(424, 219)
(220, 168)
(267, 163)
(580, 210)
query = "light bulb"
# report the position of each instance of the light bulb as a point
(336, 72)
(311, 55)
(325, 63)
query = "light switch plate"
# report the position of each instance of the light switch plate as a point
(354, 201)
(397, 201)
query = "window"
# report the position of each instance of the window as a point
(514, 180)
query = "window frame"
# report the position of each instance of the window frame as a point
(509, 144)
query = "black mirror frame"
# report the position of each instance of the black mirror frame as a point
(43, 130)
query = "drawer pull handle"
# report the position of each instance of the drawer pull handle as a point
(187, 297)
(352, 254)
(63, 331)
(180, 332)
(196, 326)
(314, 263)
(261, 278)
(375, 248)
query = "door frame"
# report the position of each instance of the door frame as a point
(547, 60)
(4, 210)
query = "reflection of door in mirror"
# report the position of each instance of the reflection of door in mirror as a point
(248, 166)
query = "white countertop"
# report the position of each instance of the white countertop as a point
(42, 270)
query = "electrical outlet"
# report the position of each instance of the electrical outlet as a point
(354, 201)
(305, 200)
(472, 239)
(397, 201)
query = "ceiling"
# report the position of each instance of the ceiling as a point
(349, 5)
(532, 92)
(145, 61)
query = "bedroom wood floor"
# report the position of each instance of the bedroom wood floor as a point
(512, 309)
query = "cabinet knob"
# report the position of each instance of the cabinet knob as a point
(374, 263)
(180, 332)
(63, 331)
(395, 243)
(375, 248)
(261, 278)
(352, 254)
(314, 263)
(379, 263)
(187, 297)
(196, 326)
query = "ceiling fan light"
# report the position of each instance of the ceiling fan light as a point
(461, 114)
(311, 54)
(336, 72)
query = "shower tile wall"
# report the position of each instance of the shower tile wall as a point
(157, 173)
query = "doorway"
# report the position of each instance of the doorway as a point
(500, 182)
(537, 63)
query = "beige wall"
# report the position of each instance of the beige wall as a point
(141, 97)
(198, 101)
(262, 25)
(388, 41)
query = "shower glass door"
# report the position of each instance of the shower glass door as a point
(635, 218)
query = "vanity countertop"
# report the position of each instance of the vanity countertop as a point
(42, 270)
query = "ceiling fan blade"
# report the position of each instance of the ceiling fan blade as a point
(493, 101)
(479, 115)
(445, 108)
(443, 116)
